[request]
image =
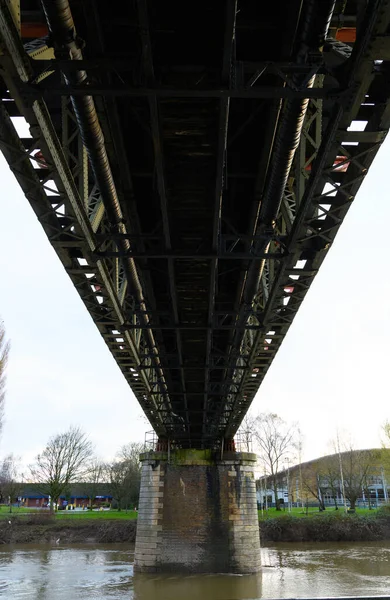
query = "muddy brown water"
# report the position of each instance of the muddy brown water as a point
(97, 572)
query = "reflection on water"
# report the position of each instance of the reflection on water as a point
(198, 587)
(304, 570)
(78, 572)
(106, 572)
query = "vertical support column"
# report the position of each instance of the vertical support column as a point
(197, 513)
(244, 534)
(149, 524)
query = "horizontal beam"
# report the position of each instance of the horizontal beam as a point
(192, 327)
(129, 63)
(270, 236)
(365, 137)
(220, 255)
(38, 90)
(196, 368)
(222, 394)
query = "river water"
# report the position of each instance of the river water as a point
(105, 572)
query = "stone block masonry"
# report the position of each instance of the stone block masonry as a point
(197, 514)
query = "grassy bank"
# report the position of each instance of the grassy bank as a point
(86, 515)
(44, 528)
(68, 514)
(4, 511)
(111, 527)
(327, 527)
(272, 513)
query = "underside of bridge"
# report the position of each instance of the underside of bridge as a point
(191, 163)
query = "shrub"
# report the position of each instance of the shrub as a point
(384, 510)
(40, 518)
(330, 527)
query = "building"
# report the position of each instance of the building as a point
(78, 497)
(354, 477)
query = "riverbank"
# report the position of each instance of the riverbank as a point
(327, 527)
(330, 527)
(56, 530)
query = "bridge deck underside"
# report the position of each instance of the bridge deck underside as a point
(222, 262)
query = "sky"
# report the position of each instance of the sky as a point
(330, 373)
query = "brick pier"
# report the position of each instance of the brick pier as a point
(197, 513)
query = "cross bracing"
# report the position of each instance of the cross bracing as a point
(235, 140)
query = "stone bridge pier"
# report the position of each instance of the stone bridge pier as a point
(197, 513)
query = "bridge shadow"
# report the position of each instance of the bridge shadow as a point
(197, 587)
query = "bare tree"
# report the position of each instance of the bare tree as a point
(9, 485)
(356, 465)
(95, 477)
(331, 470)
(245, 432)
(275, 441)
(299, 447)
(64, 461)
(386, 432)
(131, 453)
(119, 482)
(124, 475)
(4, 352)
(385, 455)
(315, 482)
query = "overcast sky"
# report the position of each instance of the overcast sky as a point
(331, 371)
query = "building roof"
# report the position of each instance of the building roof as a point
(78, 490)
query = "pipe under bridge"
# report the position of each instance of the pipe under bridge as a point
(191, 164)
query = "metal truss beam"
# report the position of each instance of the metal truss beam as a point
(212, 327)
(235, 347)
(193, 257)
(322, 195)
(161, 185)
(264, 92)
(226, 79)
(102, 295)
(256, 70)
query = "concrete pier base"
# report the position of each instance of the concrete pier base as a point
(197, 514)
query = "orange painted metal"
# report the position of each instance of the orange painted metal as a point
(346, 34)
(34, 30)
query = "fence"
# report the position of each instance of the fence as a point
(242, 443)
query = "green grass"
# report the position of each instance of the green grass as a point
(70, 514)
(4, 511)
(272, 513)
(104, 514)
